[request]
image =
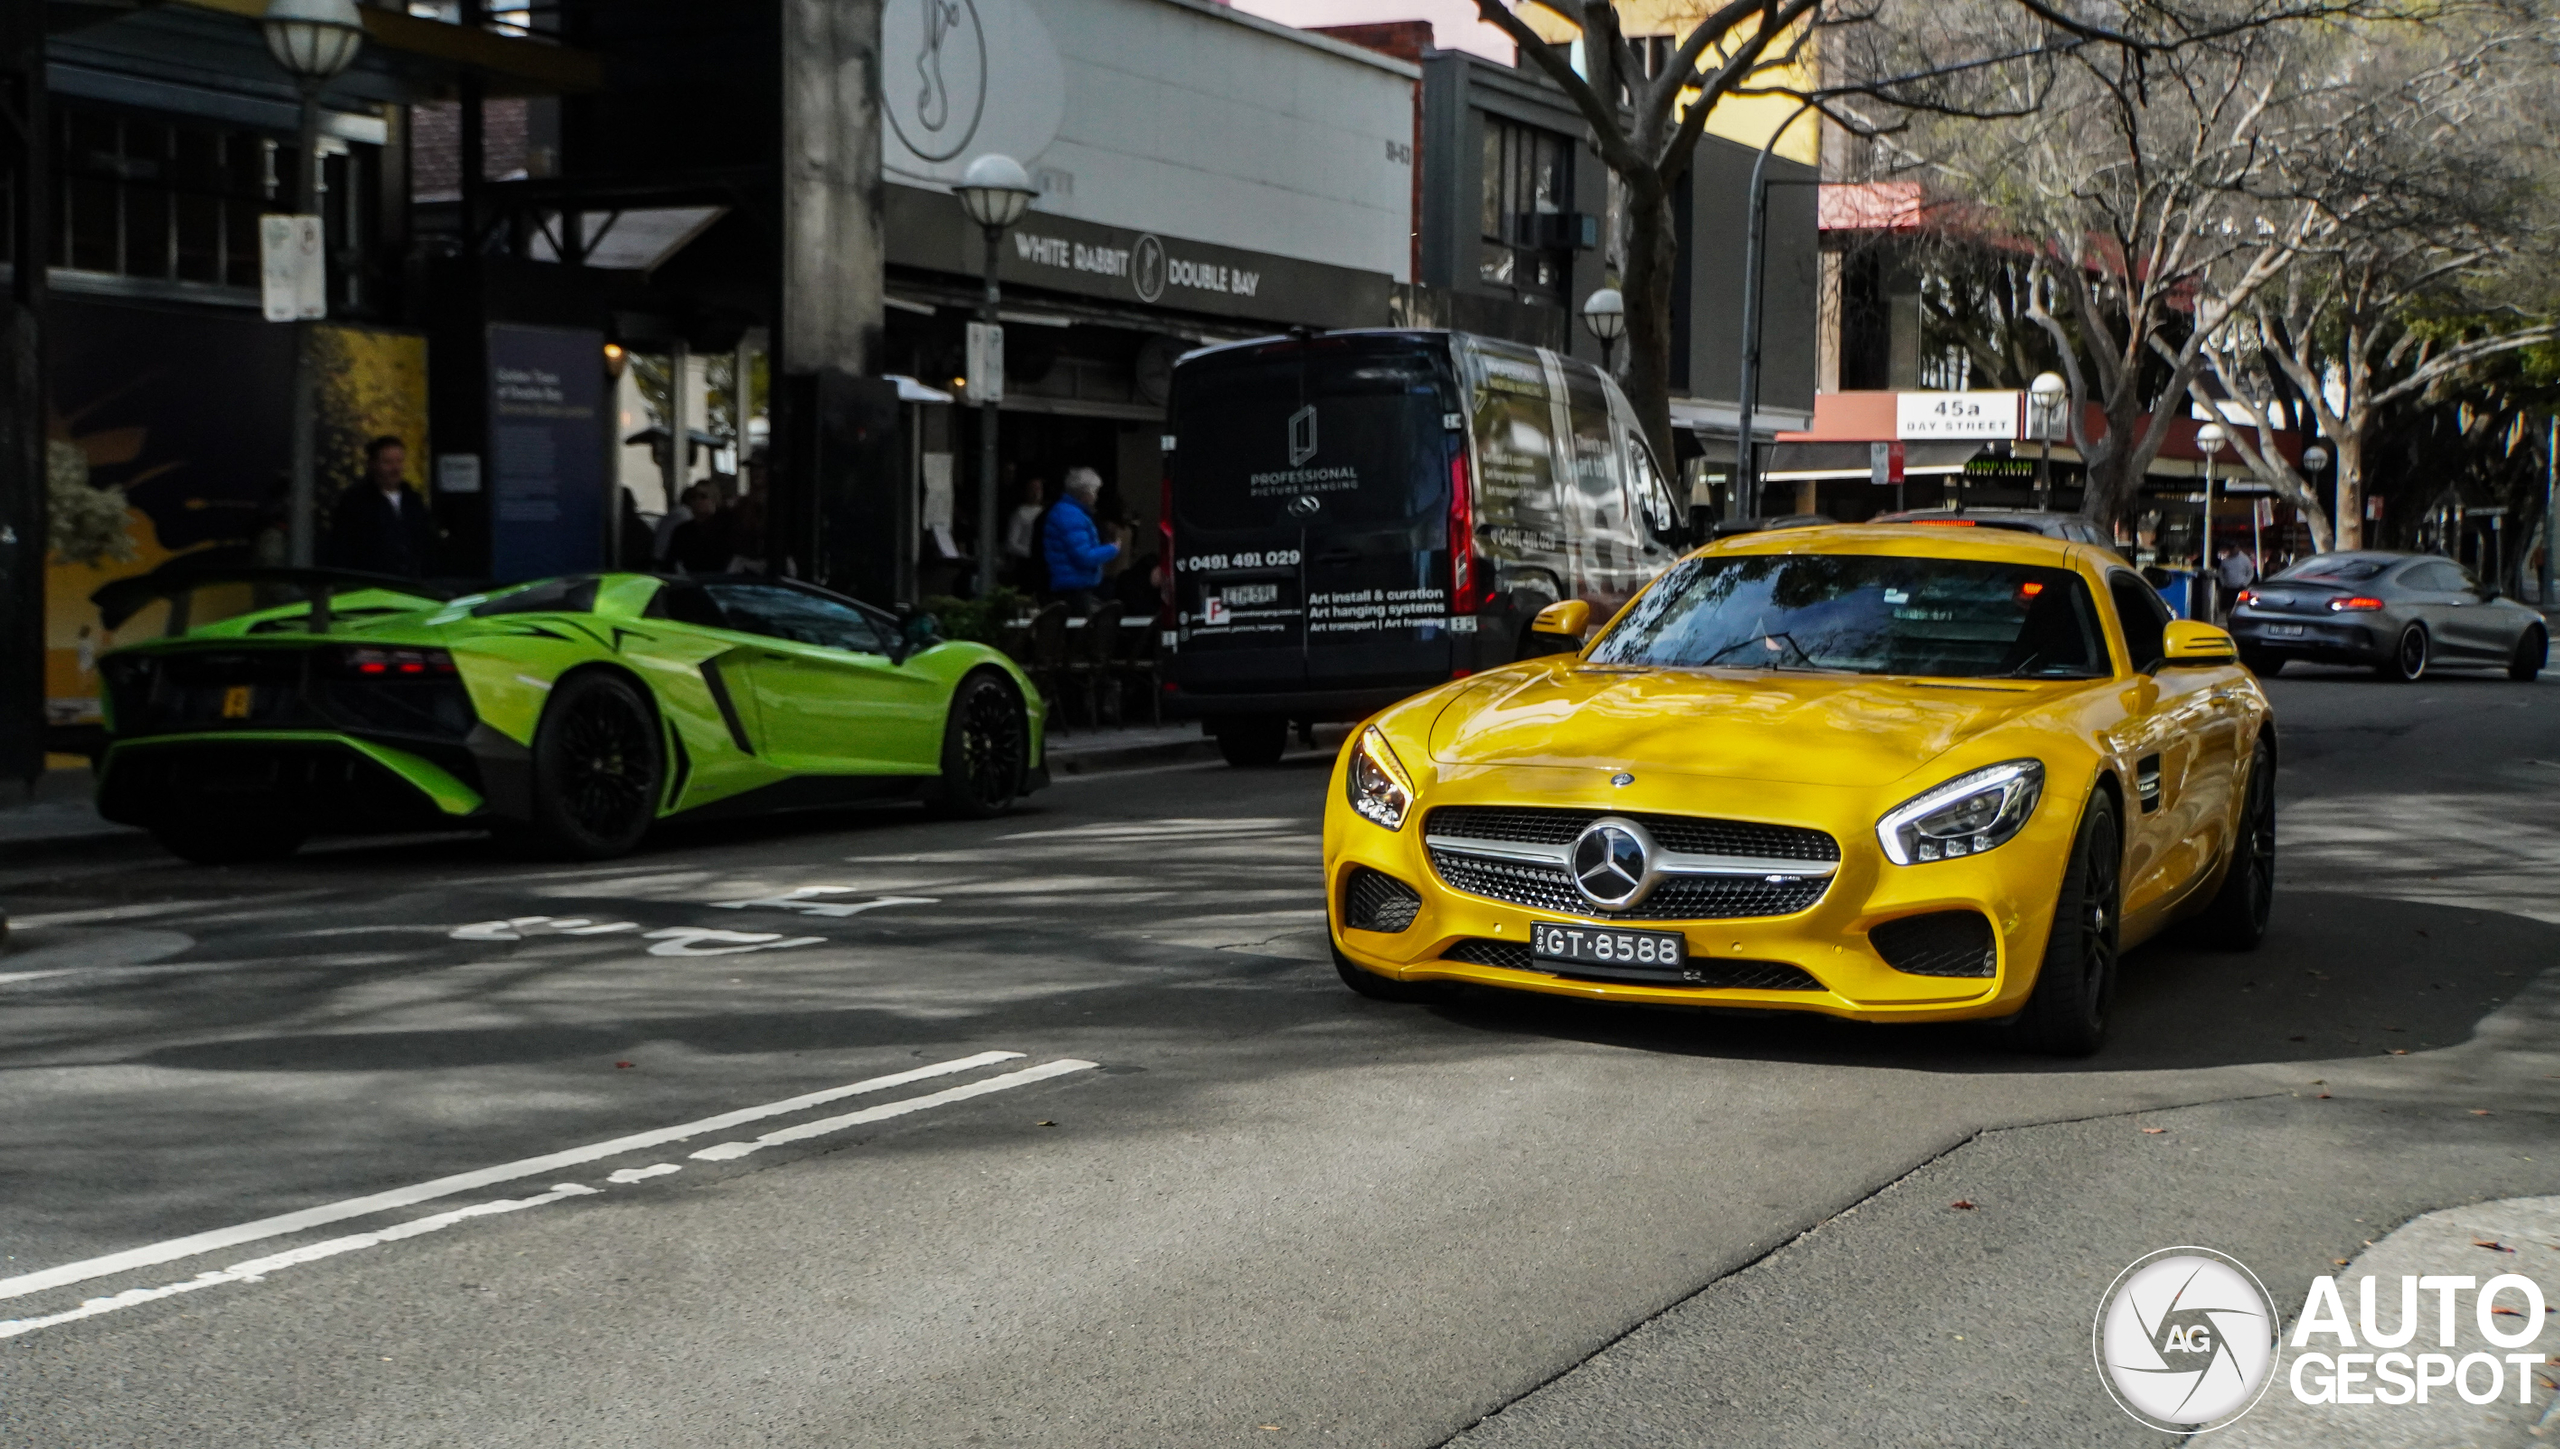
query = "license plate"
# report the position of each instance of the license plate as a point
(1239, 596)
(1603, 946)
(239, 701)
(2284, 631)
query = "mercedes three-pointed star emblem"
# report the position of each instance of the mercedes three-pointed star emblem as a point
(1613, 863)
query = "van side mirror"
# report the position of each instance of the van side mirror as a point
(2193, 643)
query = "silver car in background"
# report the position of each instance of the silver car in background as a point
(2398, 613)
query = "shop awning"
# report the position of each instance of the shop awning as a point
(1813, 462)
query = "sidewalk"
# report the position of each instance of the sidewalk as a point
(60, 816)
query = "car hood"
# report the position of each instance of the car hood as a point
(1816, 729)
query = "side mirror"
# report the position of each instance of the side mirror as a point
(1568, 618)
(916, 634)
(2192, 642)
(2489, 590)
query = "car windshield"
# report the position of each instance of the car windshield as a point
(2337, 568)
(1863, 614)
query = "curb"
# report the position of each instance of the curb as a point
(1129, 757)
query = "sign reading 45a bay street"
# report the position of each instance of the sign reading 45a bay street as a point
(1959, 415)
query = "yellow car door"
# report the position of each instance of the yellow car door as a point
(2178, 733)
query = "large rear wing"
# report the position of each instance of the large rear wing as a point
(179, 578)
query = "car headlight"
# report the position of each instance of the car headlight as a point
(1376, 783)
(1965, 816)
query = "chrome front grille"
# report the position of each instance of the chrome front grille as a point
(1711, 869)
(1533, 825)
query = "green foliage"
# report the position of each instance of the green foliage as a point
(979, 621)
(85, 525)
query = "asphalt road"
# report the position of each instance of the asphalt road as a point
(291, 1156)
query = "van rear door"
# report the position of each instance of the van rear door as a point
(1311, 504)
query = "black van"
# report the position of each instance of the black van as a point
(1355, 516)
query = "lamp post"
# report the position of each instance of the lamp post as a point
(312, 40)
(2209, 440)
(2045, 399)
(2314, 459)
(995, 191)
(1605, 313)
(1746, 475)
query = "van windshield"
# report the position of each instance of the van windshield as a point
(1337, 430)
(1863, 614)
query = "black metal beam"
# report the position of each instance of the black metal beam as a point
(25, 150)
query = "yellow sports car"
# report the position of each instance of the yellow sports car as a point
(1886, 773)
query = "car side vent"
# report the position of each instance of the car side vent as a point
(1375, 901)
(1941, 943)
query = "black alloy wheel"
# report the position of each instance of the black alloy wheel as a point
(2261, 663)
(598, 768)
(2236, 920)
(986, 748)
(2532, 652)
(1252, 741)
(2408, 661)
(2075, 987)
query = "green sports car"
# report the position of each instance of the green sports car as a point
(572, 713)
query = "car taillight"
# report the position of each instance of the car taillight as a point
(395, 663)
(1470, 585)
(2244, 597)
(1164, 535)
(2356, 605)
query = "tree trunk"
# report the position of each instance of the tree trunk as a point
(2351, 480)
(1651, 246)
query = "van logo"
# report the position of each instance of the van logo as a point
(1305, 505)
(1302, 435)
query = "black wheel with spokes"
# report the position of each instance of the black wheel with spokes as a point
(2532, 652)
(2076, 984)
(2237, 918)
(598, 768)
(2408, 661)
(986, 747)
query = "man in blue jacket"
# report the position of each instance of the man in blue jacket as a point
(1072, 545)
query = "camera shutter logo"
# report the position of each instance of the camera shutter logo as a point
(2186, 1339)
(1302, 435)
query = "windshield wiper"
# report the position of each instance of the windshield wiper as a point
(1764, 640)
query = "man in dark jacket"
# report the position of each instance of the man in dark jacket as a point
(379, 525)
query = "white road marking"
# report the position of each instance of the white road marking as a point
(804, 900)
(688, 941)
(7, 977)
(728, 1150)
(515, 928)
(356, 1207)
(623, 1175)
(110, 913)
(256, 1269)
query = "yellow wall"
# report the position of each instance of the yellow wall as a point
(1746, 119)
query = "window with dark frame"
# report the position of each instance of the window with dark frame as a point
(1528, 176)
(177, 199)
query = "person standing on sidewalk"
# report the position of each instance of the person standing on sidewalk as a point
(2233, 571)
(1071, 543)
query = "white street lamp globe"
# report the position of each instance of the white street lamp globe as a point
(2314, 458)
(995, 191)
(1605, 313)
(2048, 388)
(2210, 438)
(313, 39)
